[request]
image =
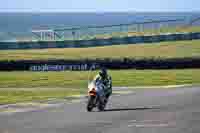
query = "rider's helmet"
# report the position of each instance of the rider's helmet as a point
(103, 72)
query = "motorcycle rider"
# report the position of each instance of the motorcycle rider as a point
(106, 80)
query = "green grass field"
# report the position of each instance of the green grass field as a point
(176, 49)
(28, 86)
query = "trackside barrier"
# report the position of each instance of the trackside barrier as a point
(83, 65)
(99, 42)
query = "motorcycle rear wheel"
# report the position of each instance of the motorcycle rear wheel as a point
(101, 106)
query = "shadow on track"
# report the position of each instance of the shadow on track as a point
(130, 109)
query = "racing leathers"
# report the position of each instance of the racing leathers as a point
(107, 81)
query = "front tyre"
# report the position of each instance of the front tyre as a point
(90, 104)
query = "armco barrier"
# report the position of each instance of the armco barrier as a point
(99, 42)
(82, 65)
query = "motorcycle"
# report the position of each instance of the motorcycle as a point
(96, 96)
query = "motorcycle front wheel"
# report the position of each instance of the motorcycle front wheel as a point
(90, 104)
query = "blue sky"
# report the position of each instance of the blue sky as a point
(98, 5)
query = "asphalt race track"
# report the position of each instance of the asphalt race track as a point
(174, 110)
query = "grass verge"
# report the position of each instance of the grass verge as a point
(179, 49)
(28, 86)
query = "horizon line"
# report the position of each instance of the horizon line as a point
(100, 11)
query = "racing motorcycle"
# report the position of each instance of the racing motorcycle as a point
(96, 96)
